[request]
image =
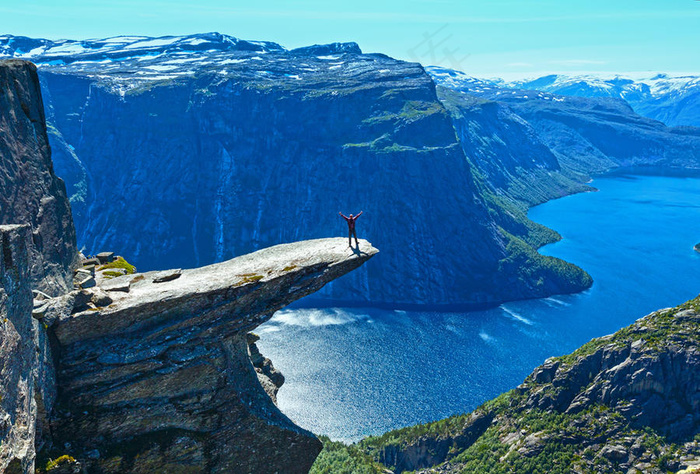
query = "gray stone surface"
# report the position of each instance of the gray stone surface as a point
(165, 368)
(105, 257)
(31, 192)
(26, 372)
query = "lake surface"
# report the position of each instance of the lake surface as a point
(355, 372)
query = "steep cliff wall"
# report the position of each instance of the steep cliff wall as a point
(27, 378)
(31, 192)
(17, 353)
(183, 155)
(625, 402)
(38, 253)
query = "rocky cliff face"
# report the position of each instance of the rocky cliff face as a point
(154, 370)
(31, 192)
(18, 359)
(621, 403)
(190, 150)
(38, 253)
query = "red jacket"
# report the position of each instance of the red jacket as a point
(350, 220)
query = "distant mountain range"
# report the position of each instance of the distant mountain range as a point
(43, 51)
(586, 134)
(187, 150)
(673, 100)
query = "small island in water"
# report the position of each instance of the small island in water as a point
(697, 247)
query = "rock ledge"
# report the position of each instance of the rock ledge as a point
(160, 375)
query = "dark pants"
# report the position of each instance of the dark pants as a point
(351, 234)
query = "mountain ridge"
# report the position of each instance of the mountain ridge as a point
(40, 50)
(671, 99)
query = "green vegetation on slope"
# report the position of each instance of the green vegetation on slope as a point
(658, 329)
(522, 435)
(339, 458)
(545, 275)
(411, 110)
(119, 262)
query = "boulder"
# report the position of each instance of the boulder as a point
(105, 257)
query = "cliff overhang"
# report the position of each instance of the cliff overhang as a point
(154, 368)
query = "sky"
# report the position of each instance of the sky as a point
(482, 38)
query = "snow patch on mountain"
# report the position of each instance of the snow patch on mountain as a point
(128, 61)
(672, 99)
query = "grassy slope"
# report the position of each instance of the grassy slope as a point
(564, 441)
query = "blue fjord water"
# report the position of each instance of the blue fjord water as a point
(355, 372)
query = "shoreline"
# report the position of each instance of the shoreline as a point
(324, 303)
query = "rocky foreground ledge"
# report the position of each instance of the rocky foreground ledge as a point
(153, 370)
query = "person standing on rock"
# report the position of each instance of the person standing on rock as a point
(351, 228)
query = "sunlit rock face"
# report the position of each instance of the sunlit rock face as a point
(155, 370)
(37, 253)
(31, 192)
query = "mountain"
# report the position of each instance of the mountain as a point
(181, 151)
(587, 135)
(628, 402)
(673, 100)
